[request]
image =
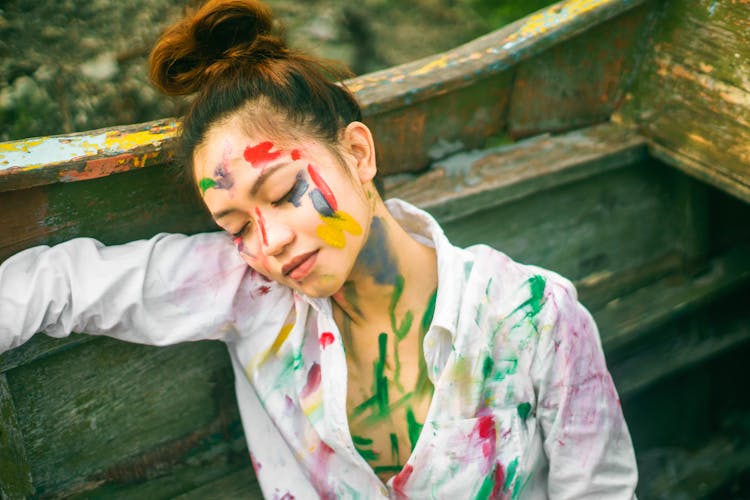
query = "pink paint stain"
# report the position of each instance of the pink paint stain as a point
(262, 225)
(326, 339)
(313, 381)
(260, 154)
(264, 289)
(499, 481)
(399, 481)
(485, 437)
(322, 187)
(320, 471)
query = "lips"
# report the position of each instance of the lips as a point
(300, 266)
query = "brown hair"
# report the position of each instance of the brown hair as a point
(227, 54)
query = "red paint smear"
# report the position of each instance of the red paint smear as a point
(499, 481)
(260, 154)
(486, 427)
(399, 481)
(263, 290)
(313, 381)
(323, 187)
(296, 155)
(262, 225)
(326, 339)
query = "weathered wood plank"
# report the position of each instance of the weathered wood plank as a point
(693, 94)
(470, 182)
(579, 82)
(15, 471)
(629, 318)
(108, 411)
(675, 353)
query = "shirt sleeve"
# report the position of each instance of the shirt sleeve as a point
(585, 435)
(170, 288)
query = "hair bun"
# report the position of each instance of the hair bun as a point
(221, 36)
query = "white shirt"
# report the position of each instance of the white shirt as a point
(523, 405)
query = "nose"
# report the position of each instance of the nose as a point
(275, 234)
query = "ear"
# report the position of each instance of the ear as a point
(358, 142)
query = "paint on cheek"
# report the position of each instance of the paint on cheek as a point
(262, 225)
(260, 154)
(320, 203)
(322, 186)
(333, 228)
(205, 184)
(299, 189)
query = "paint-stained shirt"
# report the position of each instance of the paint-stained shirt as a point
(523, 403)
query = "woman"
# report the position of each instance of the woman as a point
(372, 357)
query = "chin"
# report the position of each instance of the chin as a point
(321, 287)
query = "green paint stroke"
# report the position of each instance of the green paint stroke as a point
(511, 474)
(414, 428)
(535, 302)
(423, 381)
(380, 384)
(395, 457)
(399, 331)
(206, 183)
(487, 366)
(363, 446)
(523, 410)
(487, 486)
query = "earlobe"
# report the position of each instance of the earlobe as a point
(358, 140)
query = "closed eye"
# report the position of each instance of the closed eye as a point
(294, 195)
(242, 230)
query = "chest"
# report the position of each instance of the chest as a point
(388, 395)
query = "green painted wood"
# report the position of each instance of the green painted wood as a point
(578, 82)
(692, 98)
(15, 471)
(111, 412)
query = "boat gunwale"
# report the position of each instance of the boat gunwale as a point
(39, 161)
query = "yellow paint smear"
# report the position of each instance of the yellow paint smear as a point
(440, 63)
(332, 229)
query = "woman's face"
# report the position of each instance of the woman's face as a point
(296, 213)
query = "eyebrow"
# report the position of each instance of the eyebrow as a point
(257, 185)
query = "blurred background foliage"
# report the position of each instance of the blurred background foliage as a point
(76, 65)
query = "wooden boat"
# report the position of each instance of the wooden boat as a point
(606, 139)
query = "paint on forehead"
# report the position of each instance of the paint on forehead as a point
(260, 154)
(262, 225)
(296, 155)
(298, 190)
(205, 184)
(322, 186)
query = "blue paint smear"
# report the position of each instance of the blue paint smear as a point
(320, 203)
(222, 177)
(299, 189)
(376, 257)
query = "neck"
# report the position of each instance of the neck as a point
(393, 278)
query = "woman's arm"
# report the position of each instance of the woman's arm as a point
(585, 435)
(168, 289)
